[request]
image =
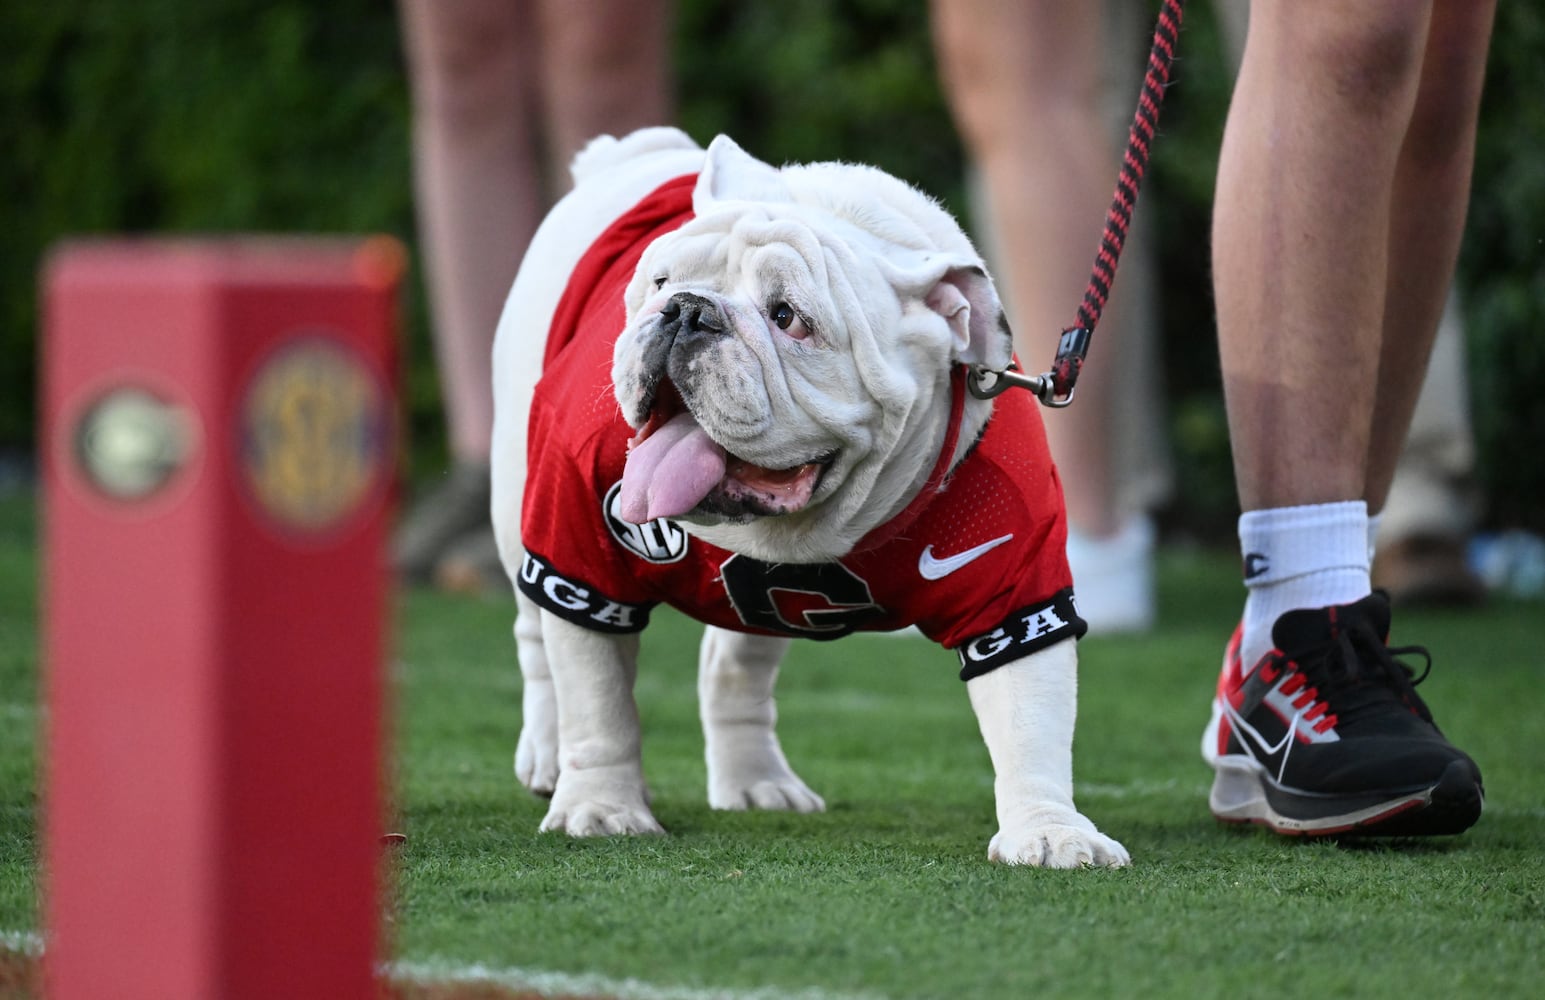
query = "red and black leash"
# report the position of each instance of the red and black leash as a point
(1055, 387)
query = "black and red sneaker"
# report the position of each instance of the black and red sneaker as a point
(1327, 735)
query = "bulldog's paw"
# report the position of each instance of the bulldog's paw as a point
(536, 760)
(600, 804)
(1060, 839)
(747, 770)
(601, 819)
(786, 793)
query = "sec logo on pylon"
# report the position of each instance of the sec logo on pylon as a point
(316, 436)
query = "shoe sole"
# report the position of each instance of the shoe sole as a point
(1243, 793)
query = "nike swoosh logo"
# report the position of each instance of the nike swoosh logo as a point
(1255, 565)
(931, 568)
(1284, 746)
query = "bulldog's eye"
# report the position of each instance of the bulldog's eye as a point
(659, 281)
(786, 319)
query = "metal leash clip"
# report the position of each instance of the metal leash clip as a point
(985, 383)
(1053, 388)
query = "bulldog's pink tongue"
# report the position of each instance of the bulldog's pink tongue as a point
(668, 472)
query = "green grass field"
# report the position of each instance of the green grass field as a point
(889, 892)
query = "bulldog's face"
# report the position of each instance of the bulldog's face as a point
(787, 356)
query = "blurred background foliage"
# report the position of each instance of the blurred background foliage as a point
(292, 116)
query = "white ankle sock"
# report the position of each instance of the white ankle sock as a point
(1300, 557)
(1373, 534)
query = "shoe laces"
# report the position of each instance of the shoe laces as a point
(1357, 673)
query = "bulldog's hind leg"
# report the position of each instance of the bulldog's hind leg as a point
(1026, 711)
(600, 786)
(746, 766)
(536, 752)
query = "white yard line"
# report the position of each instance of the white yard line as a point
(540, 981)
(1136, 789)
(586, 984)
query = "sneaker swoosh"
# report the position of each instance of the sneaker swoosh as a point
(1254, 738)
(932, 568)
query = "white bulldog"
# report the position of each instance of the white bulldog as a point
(784, 446)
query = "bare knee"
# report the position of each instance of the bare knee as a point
(1368, 54)
(467, 62)
(1021, 76)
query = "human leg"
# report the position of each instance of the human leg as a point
(1428, 509)
(1426, 523)
(1317, 727)
(478, 191)
(505, 93)
(1299, 257)
(1427, 215)
(1024, 81)
(477, 183)
(1301, 236)
(1307, 241)
(605, 72)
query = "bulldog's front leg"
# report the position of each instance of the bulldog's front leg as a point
(536, 752)
(600, 787)
(1026, 711)
(746, 766)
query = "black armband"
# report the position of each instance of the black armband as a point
(577, 602)
(1022, 633)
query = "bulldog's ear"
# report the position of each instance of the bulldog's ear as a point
(959, 290)
(732, 174)
(965, 297)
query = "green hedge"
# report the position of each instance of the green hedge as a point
(192, 117)
(287, 115)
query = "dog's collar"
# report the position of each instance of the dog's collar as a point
(936, 478)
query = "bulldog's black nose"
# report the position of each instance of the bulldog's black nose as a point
(693, 314)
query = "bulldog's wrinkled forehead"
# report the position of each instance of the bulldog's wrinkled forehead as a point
(726, 241)
(777, 244)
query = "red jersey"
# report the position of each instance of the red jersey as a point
(977, 562)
